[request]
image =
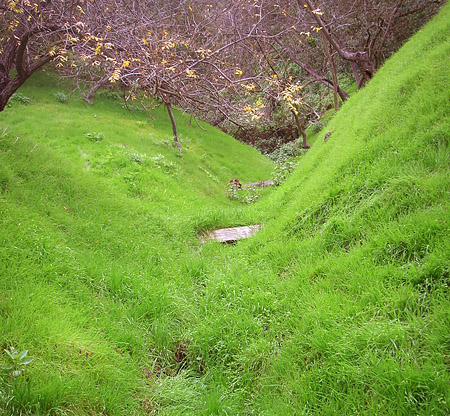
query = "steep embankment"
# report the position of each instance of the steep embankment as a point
(340, 305)
(345, 293)
(98, 216)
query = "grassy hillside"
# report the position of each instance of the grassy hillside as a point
(340, 305)
(99, 222)
(355, 262)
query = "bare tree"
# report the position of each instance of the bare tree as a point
(365, 33)
(214, 59)
(30, 35)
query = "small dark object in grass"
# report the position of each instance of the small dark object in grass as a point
(235, 182)
(180, 352)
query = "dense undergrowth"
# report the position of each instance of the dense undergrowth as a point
(340, 305)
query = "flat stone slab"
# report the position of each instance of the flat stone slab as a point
(260, 184)
(229, 235)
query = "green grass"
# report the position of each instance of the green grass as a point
(340, 305)
(97, 240)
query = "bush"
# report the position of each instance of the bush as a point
(133, 107)
(161, 163)
(62, 97)
(233, 192)
(285, 158)
(287, 151)
(18, 98)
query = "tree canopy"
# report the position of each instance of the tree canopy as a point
(237, 64)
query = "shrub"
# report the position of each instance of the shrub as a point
(18, 98)
(233, 191)
(287, 151)
(133, 107)
(109, 95)
(62, 97)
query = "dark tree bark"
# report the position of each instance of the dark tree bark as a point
(14, 57)
(332, 70)
(174, 125)
(360, 58)
(7, 88)
(8, 85)
(89, 97)
(356, 74)
(301, 130)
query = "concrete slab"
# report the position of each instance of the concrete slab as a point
(230, 235)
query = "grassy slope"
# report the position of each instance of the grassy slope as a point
(339, 306)
(357, 256)
(95, 237)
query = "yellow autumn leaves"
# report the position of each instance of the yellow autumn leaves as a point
(290, 95)
(255, 112)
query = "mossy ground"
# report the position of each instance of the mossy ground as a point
(340, 305)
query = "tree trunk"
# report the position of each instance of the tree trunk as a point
(8, 59)
(89, 97)
(333, 71)
(14, 56)
(301, 129)
(7, 88)
(356, 74)
(360, 58)
(174, 125)
(343, 94)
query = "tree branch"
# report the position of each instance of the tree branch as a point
(389, 25)
(20, 64)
